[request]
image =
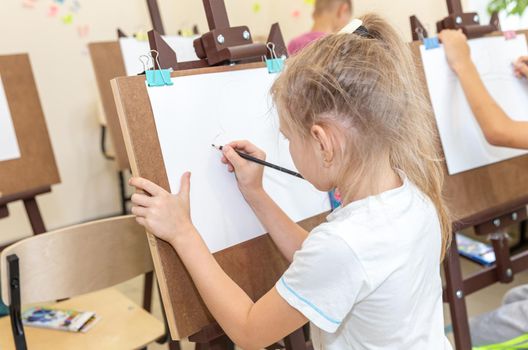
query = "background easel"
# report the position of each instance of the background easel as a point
(226, 48)
(469, 22)
(36, 171)
(107, 61)
(489, 199)
(108, 64)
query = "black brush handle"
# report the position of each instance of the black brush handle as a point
(269, 165)
(264, 163)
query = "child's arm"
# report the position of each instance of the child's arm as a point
(287, 235)
(497, 127)
(250, 325)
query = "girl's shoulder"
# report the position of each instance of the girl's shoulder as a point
(390, 229)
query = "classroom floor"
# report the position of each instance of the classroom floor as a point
(480, 302)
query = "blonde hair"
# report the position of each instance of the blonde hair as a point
(368, 88)
(325, 5)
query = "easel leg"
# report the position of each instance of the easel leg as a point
(522, 236)
(35, 219)
(166, 338)
(122, 192)
(502, 255)
(4, 211)
(147, 290)
(456, 298)
(221, 343)
(174, 345)
(296, 340)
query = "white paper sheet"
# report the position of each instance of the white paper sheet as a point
(464, 144)
(8, 141)
(132, 48)
(217, 108)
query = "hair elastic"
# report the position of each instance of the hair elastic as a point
(356, 27)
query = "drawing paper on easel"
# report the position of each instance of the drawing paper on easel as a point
(464, 144)
(199, 110)
(131, 49)
(8, 141)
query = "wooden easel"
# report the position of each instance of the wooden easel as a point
(222, 49)
(489, 199)
(35, 171)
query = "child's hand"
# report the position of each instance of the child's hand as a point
(249, 174)
(166, 216)
(456, 48)
(521, 67)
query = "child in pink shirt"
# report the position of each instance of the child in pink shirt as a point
(329, 17)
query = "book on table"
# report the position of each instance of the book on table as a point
(64, 320)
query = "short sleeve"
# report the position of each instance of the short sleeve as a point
(324, 281)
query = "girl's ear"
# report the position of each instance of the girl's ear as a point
(323, 142)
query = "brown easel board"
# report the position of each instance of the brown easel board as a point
(472, 195)
(254, 265)
(36, 168)
(108, 64)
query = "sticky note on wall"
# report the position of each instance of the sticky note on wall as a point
(67, 19)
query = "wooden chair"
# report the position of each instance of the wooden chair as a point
(69, 263)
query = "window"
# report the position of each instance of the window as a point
(508, 23)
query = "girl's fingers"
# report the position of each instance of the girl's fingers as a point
(249, 148)
(244, 145)
(233, 157)
(521, 68)
(139, 211)
(146, 185)
(141, 200)
(185, 186)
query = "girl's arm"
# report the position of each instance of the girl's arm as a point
(251, 325)
(287, 235)
(498, 128)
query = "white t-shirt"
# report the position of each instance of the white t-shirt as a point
(369, 278)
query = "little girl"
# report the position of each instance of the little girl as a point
(356, 118)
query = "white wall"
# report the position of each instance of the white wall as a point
(67, 86)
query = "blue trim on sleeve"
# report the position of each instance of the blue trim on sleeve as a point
(307, 302)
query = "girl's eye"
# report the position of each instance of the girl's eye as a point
(283, 136)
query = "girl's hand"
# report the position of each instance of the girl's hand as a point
(249, 174)
(521, 67)
(166, 216)
(457, 50)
